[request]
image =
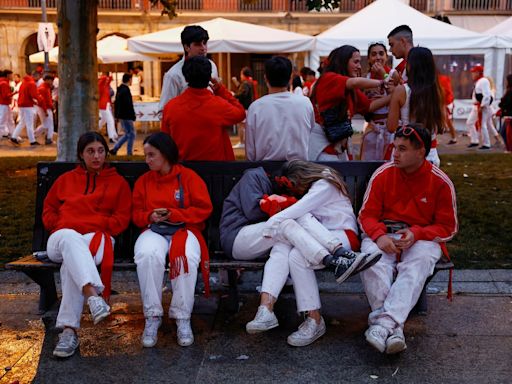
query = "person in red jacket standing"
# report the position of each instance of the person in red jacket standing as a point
(6, 119)
(409, 211)
(46, 109)
(106, 115)
(170, 193)
(197, 120)
(28, 97)
(84, 208)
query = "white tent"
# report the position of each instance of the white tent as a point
(503, 31)
(226, 36)
(111, 49)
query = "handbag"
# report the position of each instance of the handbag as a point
(166, 228)
(337, 125)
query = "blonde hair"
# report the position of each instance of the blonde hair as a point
(302, 174)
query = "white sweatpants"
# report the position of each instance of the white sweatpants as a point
(107, 117)
(46, 123)
(6, 120)
(484, 131)
(392, 287)
(150, 251)
(311, 241)
(27, 117)
(78, 269)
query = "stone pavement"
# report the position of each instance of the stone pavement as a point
(468, 340)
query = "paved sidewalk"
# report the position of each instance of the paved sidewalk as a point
(468, 340)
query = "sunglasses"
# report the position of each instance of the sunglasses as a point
(380, 42)
(408, 131)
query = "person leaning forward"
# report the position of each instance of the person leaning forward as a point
(409, 211)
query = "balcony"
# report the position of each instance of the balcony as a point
(346, 6)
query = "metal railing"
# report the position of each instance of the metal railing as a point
(346, 6)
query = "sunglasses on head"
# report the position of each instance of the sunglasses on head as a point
(380, 42)
(408, 131)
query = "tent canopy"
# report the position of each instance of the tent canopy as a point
(111, 49)
(374, 22)
(226, 36)
(503, 31)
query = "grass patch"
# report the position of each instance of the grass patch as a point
(484, 200)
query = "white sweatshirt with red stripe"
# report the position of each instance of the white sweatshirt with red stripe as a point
(424, 199)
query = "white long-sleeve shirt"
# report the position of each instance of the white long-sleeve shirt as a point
(278, 127)
(174, 82)
(483, 87)
(325, 202)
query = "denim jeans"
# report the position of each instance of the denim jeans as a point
(129, 135)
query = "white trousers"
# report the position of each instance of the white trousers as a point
(27, 117)
(107, 117)
(6, 120)
(150, 251)
(46, 123)
(307, 241)
(484, 129)
(78, 269)
(392, 287)
(376, 142)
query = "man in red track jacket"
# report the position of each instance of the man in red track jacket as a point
(420, 199)
(28, 97)
(197, 120)
(6, 120)
(45, 110)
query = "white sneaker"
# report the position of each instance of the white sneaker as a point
(376, 336)
(263, 321)
(184, 332)
(98, 307)
(239, 146)
(396, 342)
(67, 344)
(307, 333)
(150, 334)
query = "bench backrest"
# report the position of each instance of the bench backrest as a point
(220, 177)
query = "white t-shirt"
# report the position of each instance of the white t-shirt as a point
(278, 127)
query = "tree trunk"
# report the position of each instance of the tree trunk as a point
(78, 73)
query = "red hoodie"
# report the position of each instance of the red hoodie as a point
(104, 91)
(197, 122)
(5, 91)
(45, 95)
(88, 202)
(28, 93)
(153, 190)
(424, 199)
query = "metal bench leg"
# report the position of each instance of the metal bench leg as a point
(421, 307)
(232, 304)
(48, 292)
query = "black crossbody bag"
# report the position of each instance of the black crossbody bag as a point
(166, 228)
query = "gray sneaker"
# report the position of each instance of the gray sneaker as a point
(376, 336)
(307, 333)
(67, 344)
(184, 333)
(98, 307)
(263, 321)
(150, 334)
(396, 342)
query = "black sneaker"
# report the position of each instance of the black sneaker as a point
(473, 145)
(113, 152)
(35, 143)
(343, 268)
(369, 258)
(48, 142)
(484, 147)
(15, 141)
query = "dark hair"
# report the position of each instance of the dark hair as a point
(509, 82)
(338, 60)
(296, 82)
(278, 71)
(197, 71)
(7, 72)
(423, 133)
(375, 45)
(48, 77)
(426, 103)
(36, 73)
(247, 72)
(304, 71)
(87, 138)
(402, 31)
(165, 144)
(194, 34)
(2, 73)
(127, 77)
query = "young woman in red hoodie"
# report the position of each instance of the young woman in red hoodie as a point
(170, 193)
(84, 208)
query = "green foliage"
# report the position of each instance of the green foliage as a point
(322, 4)
(484, 198)
(169, 7)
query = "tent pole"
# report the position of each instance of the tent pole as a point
(229, 71)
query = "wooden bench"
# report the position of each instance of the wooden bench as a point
(220, 177)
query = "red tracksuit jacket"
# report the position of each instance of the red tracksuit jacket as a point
(45, 95)
(5, 91)
(28, 93)
(424, 199)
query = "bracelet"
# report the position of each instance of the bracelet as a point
(386, 75)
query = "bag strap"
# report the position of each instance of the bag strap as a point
(182, 205)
